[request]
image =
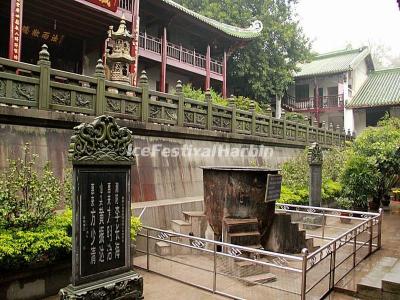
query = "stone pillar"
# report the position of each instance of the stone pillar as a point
(315, 160)
(278, 107)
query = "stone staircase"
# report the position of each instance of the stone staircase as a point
(377, 278)
(382, 281)
(194, 224)
(286, 236)
(244, 232)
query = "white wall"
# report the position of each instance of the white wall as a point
(358, 76)
(395, 111)
(360, 120)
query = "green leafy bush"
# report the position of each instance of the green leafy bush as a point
(290, 197)
(344, 203)
(136, 226)
(27, 197)
(295, 176)
(46, 243)
(373, 164)
(240, 101)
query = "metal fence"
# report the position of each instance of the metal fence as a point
(344, 239)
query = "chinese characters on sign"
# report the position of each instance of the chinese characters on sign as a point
(103, 220)
(273, 190)
(108, 4)
(15, 30)
(46, 36)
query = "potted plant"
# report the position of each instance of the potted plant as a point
(345, 204)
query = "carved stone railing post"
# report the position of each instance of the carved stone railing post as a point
(144, 84)
(44, 85)
(101, 88)
(181, 103)
(307, 121)
(315, 160)
(283, 117)
(232, 105)
(209, 110)
(253, 117)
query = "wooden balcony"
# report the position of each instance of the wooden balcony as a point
(177, 56)
(322, 104)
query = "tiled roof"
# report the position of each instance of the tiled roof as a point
(380, 89)
(333, 62)
(243, 33)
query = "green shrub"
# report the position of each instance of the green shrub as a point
(344, 203)
(240, 101)
(288, 196)
(46, 243)
(295, 175)
(136, 226)
(27, 197)
(373, 166)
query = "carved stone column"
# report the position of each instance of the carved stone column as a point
(315, 160)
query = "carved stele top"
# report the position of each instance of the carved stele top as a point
(101, 141)
(315, 155)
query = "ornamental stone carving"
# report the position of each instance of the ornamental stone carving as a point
(315, 155)
(119, 58)
(101, 140)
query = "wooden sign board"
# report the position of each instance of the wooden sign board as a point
(273, 189)
(107, 4)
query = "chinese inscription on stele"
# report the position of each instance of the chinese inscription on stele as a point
(101, 264)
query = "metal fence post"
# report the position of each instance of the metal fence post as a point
(147, 251)
(380, 228)
(371, 232)
(354, 248)
(333, 266)
(215, 269)
(304, 252)
(323, 223)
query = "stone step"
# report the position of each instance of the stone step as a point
(194, 214)
(198, 221)
(370, 286)
(244, 238)
(247, 268)
(239, 225)
(181, 226)
(391, 280)
(163, 248)
(259, 279)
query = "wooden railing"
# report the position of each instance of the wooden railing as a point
(179, 53)
(298, 104)
(40, 87)
(125, 4)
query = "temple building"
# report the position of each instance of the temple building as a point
(169, 41)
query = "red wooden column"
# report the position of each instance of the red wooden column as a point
(163, 77)
(135, 41)
(224, 71)
(316, 101)
(208, 68)
(14, 46)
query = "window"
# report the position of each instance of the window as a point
(302, 91)
(375, 114)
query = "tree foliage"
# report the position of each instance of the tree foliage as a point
(265, 66)
(373, 164)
